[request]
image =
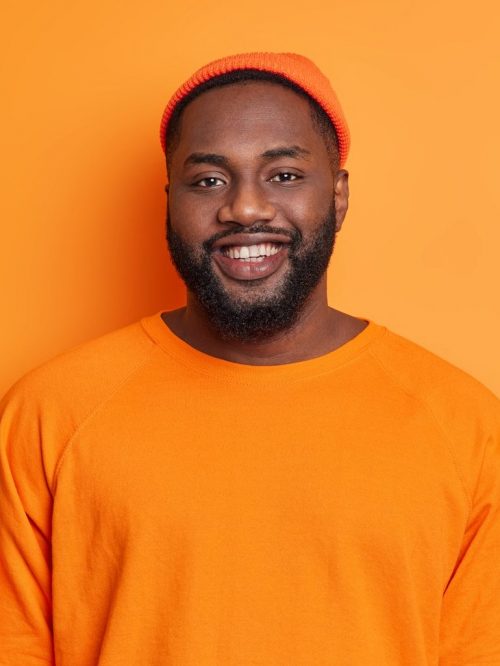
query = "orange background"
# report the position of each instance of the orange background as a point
(85, 82)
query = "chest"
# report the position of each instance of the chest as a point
(261, 473)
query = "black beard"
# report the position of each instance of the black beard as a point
(261, 318)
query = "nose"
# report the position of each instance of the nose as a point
(246, 204)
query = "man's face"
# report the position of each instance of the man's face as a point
(253, 203)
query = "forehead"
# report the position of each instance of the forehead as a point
(254, 111)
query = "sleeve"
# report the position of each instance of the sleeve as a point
(470, 622)
(25, 551)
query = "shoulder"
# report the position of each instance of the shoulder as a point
(46, 405)
(465, 410)
(91, 367)
(428, 376)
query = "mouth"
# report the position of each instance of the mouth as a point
(251, 256)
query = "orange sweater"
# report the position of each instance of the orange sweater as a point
(161, 507)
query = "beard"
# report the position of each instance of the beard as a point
(252, 317)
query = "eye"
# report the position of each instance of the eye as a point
(285, 177)
(209, 182)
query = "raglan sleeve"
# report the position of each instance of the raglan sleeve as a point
(25, 533)
(470, 622)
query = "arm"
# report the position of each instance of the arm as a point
(470, 625)
(25, 516)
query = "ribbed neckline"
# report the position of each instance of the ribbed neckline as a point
(203, 363)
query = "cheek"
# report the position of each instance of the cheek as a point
(308, 213)
(309, 202)
(189, 219)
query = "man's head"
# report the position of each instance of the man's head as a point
(255, 199)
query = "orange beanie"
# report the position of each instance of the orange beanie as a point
(297, 68)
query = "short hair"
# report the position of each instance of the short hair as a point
(320, 118)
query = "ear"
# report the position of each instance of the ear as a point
(341, 197)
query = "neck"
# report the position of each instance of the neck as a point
(318, 330)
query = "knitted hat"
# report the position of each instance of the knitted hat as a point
(297, 68)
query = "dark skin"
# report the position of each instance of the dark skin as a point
(247, 188)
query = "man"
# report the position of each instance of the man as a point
(256, 478)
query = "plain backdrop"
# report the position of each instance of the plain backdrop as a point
(84, 84)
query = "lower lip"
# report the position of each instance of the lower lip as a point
(250, 270)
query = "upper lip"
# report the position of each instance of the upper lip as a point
(251, 239)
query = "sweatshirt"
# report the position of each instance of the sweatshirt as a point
(160, 506)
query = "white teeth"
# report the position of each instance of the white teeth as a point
(251, 252)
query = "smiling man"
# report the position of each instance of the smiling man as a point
(255, 478)
(261, 187)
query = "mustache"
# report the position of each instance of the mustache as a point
(293, 234)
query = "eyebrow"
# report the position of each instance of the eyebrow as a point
(295, 152)
(206, 158)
